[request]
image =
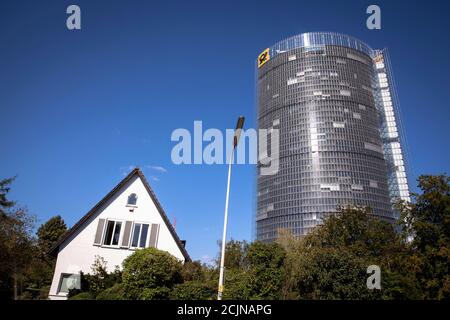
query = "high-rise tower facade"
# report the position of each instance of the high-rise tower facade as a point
(333, 101)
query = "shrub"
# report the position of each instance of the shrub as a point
(194, 290)
(115, 292)
(82, 296)
(192, 271)
(99, 279)
(160, 293)
(148, 272)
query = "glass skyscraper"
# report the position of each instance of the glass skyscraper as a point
(333, 101)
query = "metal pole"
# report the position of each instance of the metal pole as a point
(224, 236)
(237, 133)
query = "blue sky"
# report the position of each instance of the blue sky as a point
(78, 108)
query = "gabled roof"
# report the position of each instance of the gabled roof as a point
(87, 216)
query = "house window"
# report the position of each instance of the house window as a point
(112, 234)
(69, 281)
(132, 199)
(140, 232)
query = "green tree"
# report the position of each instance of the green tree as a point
(293, 248)
(116, 292)
(99, 279)
(38, 274)
(82, 296)
(329, 273)
(5, 204)
(199, 282)
(193, 271)
(235, 254)
(16, 242)
(257, 271)
(266, 270)
(358, 231)
(50, 232)
(194, 290)
(426, 223)
(236, 285)
(150, 274)
(331, 262)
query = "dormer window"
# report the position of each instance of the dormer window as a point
(132, 199)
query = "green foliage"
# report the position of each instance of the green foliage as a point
(39, 272)
(427, 222)
(37, 277)
(16, 242)
(50, 232)
(258, 274)
(192, 271)
(399, 285)
(195, 290)
(331, 262)
(83, 296)
(357, 231)
(24, 260)
(116, 292)
(332, 274)
(235, 254)
(148, 270)
(266, 270)
(293, 248)
(262, 256)
(16, 239)
(5, 204)
(99, 279)
(236, 285)
(199, 282)
(158, 293)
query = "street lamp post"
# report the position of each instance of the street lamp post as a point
(237, 133)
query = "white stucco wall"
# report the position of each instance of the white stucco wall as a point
(78, 252)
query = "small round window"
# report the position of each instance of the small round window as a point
(132, 199)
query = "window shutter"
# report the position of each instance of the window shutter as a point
(99, 233)
(154, 235)
(127, 234)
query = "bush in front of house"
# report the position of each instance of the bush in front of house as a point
(194, 290)
(83, 296)
(113, 293)
(159, 293)
(150, 274)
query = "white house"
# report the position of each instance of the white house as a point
(127, 218)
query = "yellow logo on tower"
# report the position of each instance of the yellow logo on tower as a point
(263, 58)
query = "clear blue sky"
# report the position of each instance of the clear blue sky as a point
(78, 108)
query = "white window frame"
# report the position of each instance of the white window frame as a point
(114, 228)
(140, 232)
